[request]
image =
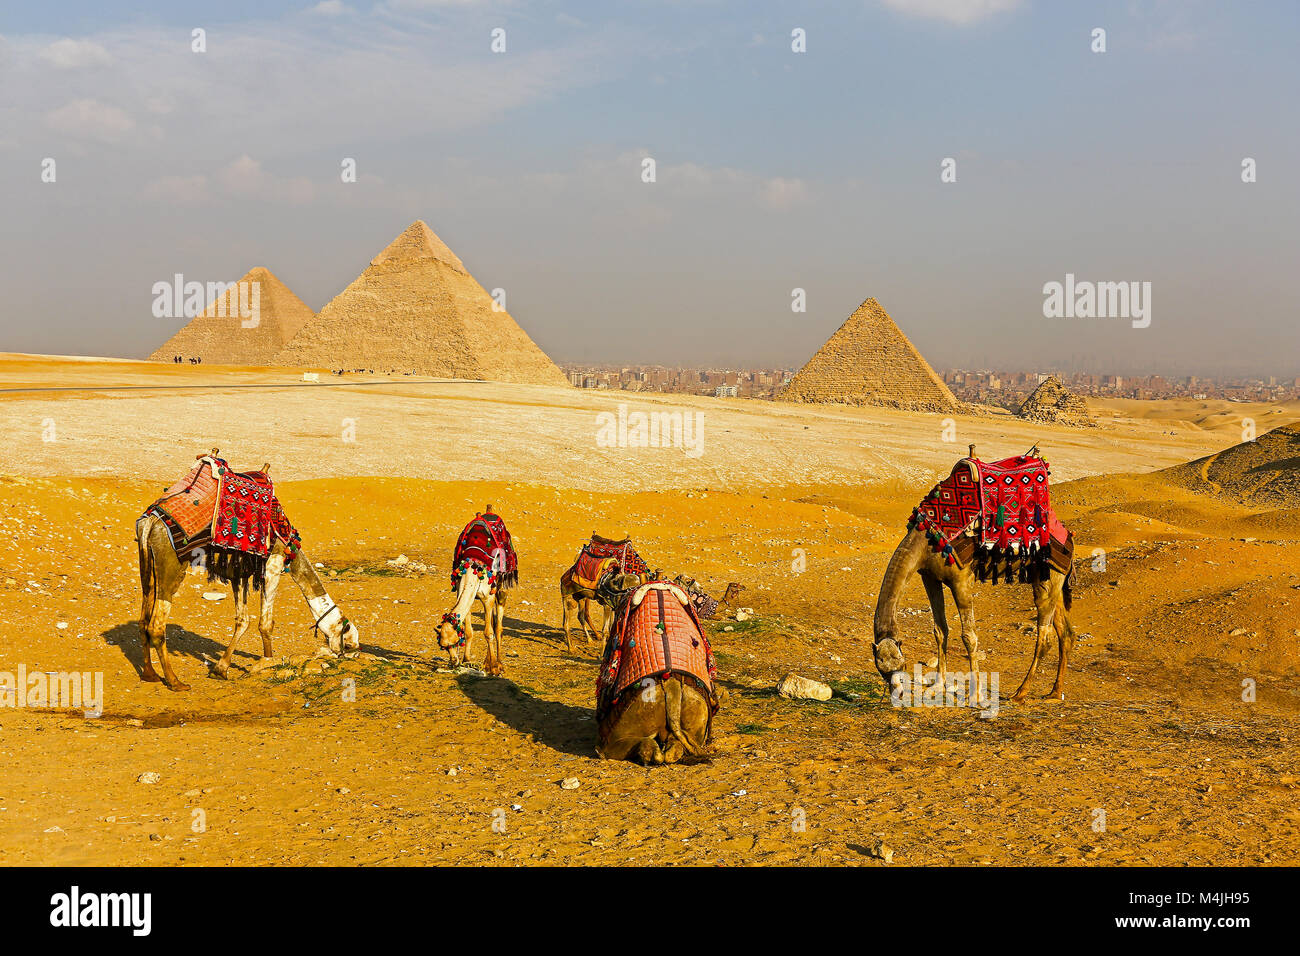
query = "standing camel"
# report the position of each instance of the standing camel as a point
(456, 631)
(161, 575)
(1051, 590)
(484, 567)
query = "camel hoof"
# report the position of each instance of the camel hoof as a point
(1055, 695)
(151, 677)
(178, 686)
(218, 672)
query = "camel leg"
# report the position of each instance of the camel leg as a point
(1043, 604)
(496, 632)
(165, 580)
(934, 592)
(1064, 636)
(491, 659)
(240, 589)
(584, 616)
(963, 596)
(266, 617)
(568, 611)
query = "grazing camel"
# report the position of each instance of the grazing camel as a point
(457, 630)
(485, 569)
(161, 575)
(1051, 599)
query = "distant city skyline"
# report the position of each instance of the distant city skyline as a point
(951, 158)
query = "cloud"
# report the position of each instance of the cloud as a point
(330, 8)
(953, 11)
(90, 119)
(69, 54)
(245, 178)
(183, 190)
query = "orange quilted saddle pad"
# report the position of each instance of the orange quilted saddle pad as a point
(657, 636)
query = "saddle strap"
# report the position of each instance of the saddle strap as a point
(663, 632)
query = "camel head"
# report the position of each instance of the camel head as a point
(888, 651)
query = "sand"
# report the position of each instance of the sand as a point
(1196, 596)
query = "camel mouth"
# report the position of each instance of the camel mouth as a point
(889, 659)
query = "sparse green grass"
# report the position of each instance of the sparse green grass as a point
(754, 729)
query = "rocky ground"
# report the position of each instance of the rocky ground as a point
(1176, 743)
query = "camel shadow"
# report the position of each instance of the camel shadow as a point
(126, 638)
(562, 727)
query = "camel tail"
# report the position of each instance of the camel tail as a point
(1066, 589)
(673, 713)
(147, 575)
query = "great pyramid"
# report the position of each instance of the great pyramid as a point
(1051, 401)
(417, 309)
(869, 361)
(219, 334)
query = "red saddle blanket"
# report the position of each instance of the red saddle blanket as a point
(600, 555)
(213, 506)
(1002, 505)
(486, 543)
(656, 634)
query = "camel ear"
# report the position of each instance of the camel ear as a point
(214, 452)
(488, 510)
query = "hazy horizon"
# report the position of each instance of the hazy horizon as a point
(775, 170)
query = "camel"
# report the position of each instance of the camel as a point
(457, 630)
(162, 573)
(1051, 599)
(575, 602)
(486, 578)
(657, 720)
(663, 722)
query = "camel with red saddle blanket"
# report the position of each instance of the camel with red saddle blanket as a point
(484, 568)
(986, 521)
(655, 694)
(230, 525)
(580, 586)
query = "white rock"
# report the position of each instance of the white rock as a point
(802, 688)
(149, 776)
(214, 595)
(570, 783)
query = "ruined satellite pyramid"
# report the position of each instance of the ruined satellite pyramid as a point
(223, 335)
(417, 309)
(868, 361)
(1051, 401)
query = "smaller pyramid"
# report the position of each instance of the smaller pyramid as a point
(1051, 401)
(221, 336)
(869, 361)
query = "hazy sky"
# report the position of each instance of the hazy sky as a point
(775, 169)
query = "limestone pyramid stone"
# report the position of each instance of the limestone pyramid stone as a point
(417, 309)
(869, 361)
(220, 335)
(1051, 401)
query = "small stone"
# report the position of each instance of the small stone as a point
(62, 625)
(742, 615)
(802, 688)
(1237, 632)
(881, 852)
(214, 595)
(343, 790)
(570, 783)
(193, 793)
(400, 560)
(149, 776)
